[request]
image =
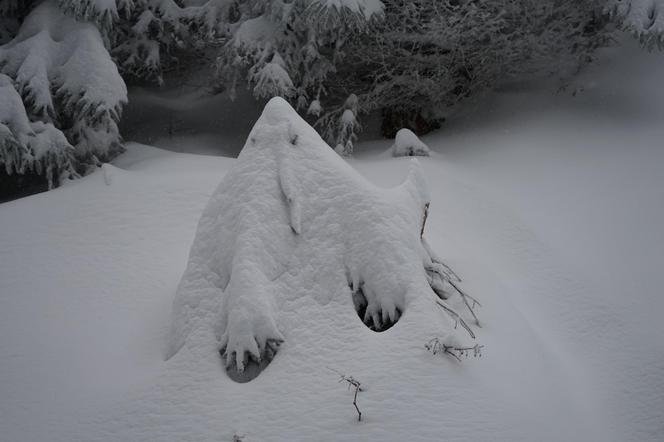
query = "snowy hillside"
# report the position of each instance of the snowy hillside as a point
(549, 208)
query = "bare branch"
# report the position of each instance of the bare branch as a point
(435, 346)
(465, 298)
(458, 319)
(449, 270)
(352, 382)
(446, 274)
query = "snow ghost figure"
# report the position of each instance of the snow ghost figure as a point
(293, 220)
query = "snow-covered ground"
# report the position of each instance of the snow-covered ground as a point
(549, 207)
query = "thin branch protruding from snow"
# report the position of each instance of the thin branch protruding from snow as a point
(355, 384)
(465, 298)
(449, 271)
(458, 319)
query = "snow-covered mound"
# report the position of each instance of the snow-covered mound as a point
(407, 144)
(289, 210)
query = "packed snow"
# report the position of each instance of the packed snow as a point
(548, 207)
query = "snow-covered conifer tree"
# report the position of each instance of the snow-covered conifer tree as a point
(292, 49)
(147, 41)
(30, 146)
(425, 54)
(71, 96)
(143, 35)
(403, 58)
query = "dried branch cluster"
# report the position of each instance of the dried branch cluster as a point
(435, 346)
(441, 276)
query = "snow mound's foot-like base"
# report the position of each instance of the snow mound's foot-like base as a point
(251, 367)
(375, 319)
(251, 338)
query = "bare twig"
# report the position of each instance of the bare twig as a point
(458, 319)
(465, 298)
(435, 346)
(352, 382)
(448, 275)
(449, 270)
(424, 220)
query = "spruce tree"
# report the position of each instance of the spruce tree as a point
(71, 94)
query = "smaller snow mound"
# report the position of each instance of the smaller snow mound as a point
(407, 144)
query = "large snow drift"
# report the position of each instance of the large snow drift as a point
(291, 220)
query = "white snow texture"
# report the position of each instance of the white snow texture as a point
(407, 144)
(291, 210)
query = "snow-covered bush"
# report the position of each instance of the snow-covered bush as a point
(291, 209)
(148, 41)
(292, 50)
(642, 18)
(403, 58)
(407, 144)
(427, 55)
(305, 36)
(30, 146)
(66, 80)
(146, 36)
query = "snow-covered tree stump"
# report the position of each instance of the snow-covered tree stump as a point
(290, 202)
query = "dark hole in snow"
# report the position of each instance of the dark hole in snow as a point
(360, 303)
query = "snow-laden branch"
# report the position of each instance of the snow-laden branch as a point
(67, 80)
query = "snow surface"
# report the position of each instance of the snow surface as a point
(548, 207)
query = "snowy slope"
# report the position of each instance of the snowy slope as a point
(93, 298)
(547, 216)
